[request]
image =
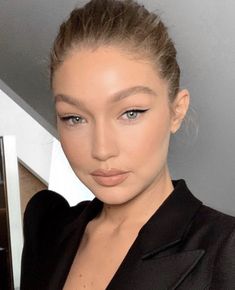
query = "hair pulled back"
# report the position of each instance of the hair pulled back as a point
(124, 23)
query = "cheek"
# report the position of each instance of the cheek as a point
(148, 141)
(74, 147)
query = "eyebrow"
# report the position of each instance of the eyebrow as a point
(115, 97)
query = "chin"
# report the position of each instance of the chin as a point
(112, 196)
(112, 201)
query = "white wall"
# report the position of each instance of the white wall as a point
(63, 180)
(34, 143)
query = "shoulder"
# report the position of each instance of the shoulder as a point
(46, 217)
(47, 210)
(221, 228)
(219, 236)
(212, 228)
(214, 232)
(48, 202)
(215, 221)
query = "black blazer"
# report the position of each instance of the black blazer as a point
(184, 245)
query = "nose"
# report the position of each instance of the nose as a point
(104, 145)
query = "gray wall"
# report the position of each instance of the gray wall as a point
(204, 33)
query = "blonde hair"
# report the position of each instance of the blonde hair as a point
(123, 23)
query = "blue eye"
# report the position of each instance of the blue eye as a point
(133, 114)
(72, 120)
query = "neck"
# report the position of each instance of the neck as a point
(138, 210)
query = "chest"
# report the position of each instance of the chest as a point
(97, 261)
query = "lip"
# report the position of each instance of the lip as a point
(110, 177)
(107, 173)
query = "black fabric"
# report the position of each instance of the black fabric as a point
(185, 245)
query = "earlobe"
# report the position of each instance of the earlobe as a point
(179, 109)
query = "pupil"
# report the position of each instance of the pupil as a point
(77, 119)
(132, 115)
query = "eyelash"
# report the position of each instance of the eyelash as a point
(80, 120)
(70, 120)
(138, 112)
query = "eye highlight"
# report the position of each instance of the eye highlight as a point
(133, 114)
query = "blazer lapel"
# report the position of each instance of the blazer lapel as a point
(166, 272)
(155, 261)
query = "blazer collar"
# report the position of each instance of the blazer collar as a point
(169, 223)
(166, 226)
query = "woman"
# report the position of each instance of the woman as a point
(115, 81)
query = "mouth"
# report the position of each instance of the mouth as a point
(110, 177)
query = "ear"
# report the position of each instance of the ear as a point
(179, 109)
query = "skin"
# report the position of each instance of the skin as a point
(99, 128)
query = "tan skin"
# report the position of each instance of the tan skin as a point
(108, 105)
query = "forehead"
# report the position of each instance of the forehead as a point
(105, 71)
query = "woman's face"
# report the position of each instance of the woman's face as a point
(114, 122)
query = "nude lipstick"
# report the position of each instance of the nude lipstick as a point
(110, 177)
